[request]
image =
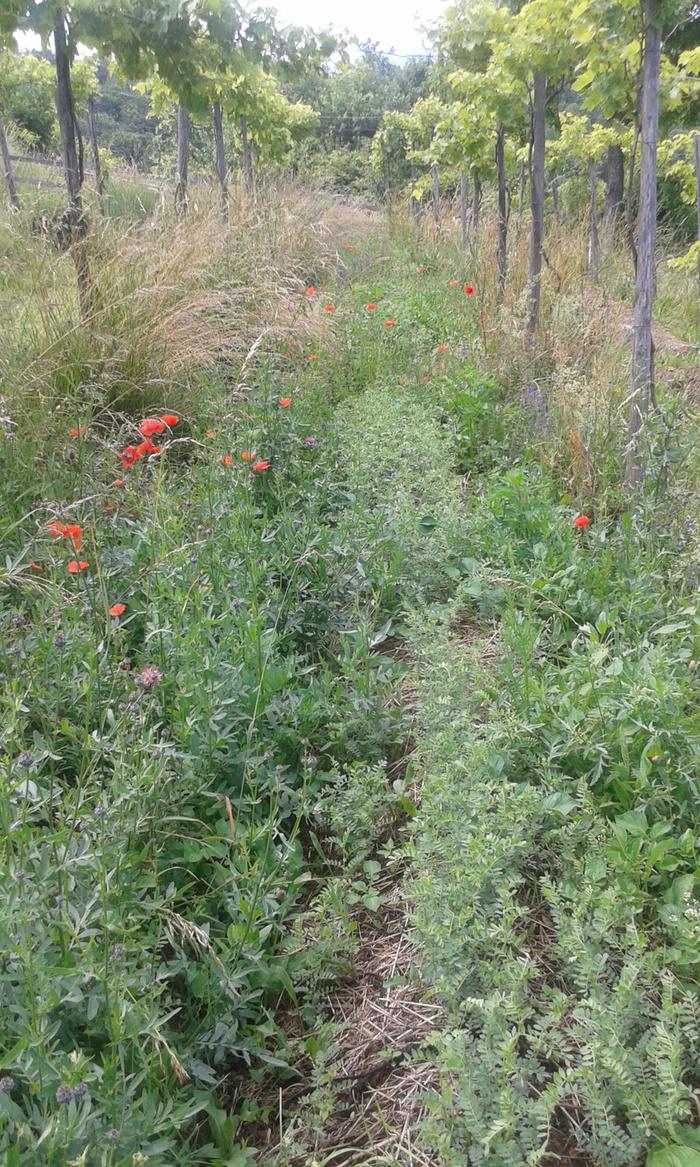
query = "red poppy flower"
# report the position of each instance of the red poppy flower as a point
(421, 268)
(74, 566)
(312, 357)
(261, 465)
(328, 308)
(581, 521)
(441, 348)
(169, 419)
(310, 291)
(248, 455)
(118, 482)
(151, 425)
(371, 307)
(211, 433)
(117, 610)
(389, 323)
(146, 447)
(285, 402)
(426, 377)
(128, 456)
(469, 289)
(36, 566)
(76, 430)
(348, 246)
(226, 460)
(72, 531)
(453, 283)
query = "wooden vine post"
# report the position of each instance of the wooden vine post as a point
(536, 203)
(65, 110)
(7, 167)
(642, 372)
(593, 243)
(94, 146)
(246, 152)
(183, 154)
(415, 204)
(436, 197)
(502, 207)
(220, 158)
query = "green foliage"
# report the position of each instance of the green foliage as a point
(674, 1157)
(556, 865)
(186, 850)
(124, 126)
(124, 871)
(27, 98)
(410, 522)
(688, 262)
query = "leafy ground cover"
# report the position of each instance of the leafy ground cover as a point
(354, 527)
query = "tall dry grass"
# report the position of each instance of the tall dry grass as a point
(175, 303)
(580, 364)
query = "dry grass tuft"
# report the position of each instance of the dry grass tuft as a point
(174, 300)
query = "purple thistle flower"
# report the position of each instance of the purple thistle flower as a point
(149, 676)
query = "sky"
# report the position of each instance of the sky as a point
(391, 22)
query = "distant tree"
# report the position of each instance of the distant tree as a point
(493, 112)
(27, 98)
(126, 129)
(352, 98)
(581, 147)
(627, 65)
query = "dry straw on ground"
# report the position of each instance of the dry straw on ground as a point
(381, 1077)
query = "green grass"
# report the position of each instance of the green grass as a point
(195, 793)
